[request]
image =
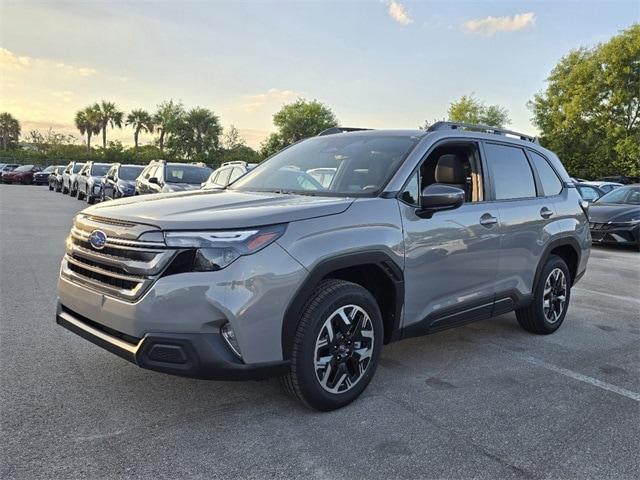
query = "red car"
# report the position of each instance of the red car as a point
(23, 174)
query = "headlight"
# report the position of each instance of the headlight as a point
(217, 249)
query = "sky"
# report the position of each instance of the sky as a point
(378, 63)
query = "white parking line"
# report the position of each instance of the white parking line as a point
(583, 378)
(612, 295)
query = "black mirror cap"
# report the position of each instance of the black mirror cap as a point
(438, 197)
(153, 180)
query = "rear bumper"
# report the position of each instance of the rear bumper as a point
(195, 355)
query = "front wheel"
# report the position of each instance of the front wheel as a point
(336, 346)
(551, 297)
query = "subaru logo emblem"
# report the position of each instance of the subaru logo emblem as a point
(97, 239)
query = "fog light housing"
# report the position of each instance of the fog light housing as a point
(230, 337)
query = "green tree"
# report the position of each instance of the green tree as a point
(196, 136)
(141, 121)
(302, 119)
(49, 141)
(9, 130)
(270, 145)
(468, 109)
(589, 114)
(166, 119)
(109, 116)
(87, 122)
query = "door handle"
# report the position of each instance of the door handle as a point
(488, 220)
(545, 212)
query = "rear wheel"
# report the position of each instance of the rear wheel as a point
(336, 346)
(551, 297)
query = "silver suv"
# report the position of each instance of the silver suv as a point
(282, 275)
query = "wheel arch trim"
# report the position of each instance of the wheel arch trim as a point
(327, 266)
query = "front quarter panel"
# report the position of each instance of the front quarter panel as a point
(369, 224)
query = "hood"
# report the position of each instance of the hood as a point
(218, 209)
(613, 212)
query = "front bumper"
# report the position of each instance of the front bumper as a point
(618, 234)
(251, 295)
(195, 355)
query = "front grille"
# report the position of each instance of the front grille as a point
(124, 268)
(598, 226)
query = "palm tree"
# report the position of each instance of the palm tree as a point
(109, 115)
(88, 121)
(9, 129)
(140, 121)
(204, 129)
(166, 118)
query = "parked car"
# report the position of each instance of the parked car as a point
(419, 231)
(120, 181)
(7, 167)
(42, 177)
(89, 181)
(588, 192)
(606, 187)
(615, 217)
(55, 178)
(160, 176)
(227, 173)
(69, 177)
(23, 174)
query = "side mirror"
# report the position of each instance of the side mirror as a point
(154, 180)
(437, 198)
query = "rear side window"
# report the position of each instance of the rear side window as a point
(235, 174)
(223, 177)
(510, 171)
(550, 182)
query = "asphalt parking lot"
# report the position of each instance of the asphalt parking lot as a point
(484, 401)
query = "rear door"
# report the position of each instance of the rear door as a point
(526, 217)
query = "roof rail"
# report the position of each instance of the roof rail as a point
(333, 130)
(480, 128)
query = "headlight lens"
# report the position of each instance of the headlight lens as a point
(218, 249)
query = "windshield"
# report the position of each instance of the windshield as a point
(77, 167)
(49, 169)
(351, 165)
(623, 195)
(129, 172)
(100, 169)
(24, 168)
(186, 174)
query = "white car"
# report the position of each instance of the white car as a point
(227, 173)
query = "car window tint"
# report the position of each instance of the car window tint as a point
(223, 177)
(588, 193)
(411, 192)
(551, 184)
(511, 173)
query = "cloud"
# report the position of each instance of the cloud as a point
(251, 103)
(398, 12)
(491, 25)
(11, 61)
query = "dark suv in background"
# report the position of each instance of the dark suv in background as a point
(120, 181)
(417, 231)
(160, 177)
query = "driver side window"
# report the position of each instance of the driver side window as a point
(455, 164)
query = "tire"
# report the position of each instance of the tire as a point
(50, 188)
(90, 199)
(534, 318)
(304, 380)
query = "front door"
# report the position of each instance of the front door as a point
(451, 259)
